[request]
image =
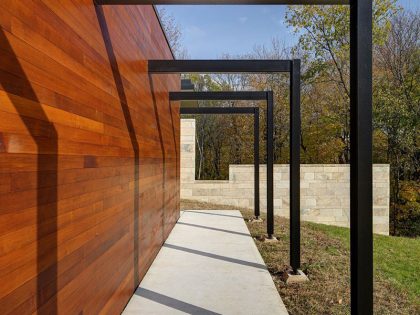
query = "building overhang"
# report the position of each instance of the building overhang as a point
(220, 2)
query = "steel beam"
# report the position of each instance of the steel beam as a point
(218, 96)
(219, 2)
(216, 110)
(361, 233)
(219, 66)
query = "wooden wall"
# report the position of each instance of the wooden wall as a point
(89, 179)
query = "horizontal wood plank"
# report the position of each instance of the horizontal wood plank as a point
(89, 154)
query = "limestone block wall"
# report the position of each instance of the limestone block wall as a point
(325, 188)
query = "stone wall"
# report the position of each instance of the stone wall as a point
(325, 189)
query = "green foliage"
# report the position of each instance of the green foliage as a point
(324, 33)
(407, 210)
(324, 46)
(324, 49)
(397, 117)
(221, 140)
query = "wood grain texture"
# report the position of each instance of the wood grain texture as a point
(89, 154)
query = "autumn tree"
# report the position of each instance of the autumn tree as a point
(324, 45)
(279, 84)
(397, 113)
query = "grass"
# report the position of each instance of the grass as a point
(325, 260)
(390, 254)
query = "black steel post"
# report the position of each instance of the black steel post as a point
(295, 165)
(270, 168)
(361, 238)
(257, 162)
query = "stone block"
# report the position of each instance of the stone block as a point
(340, 190)
(278, 203)
(331, 213)
(187, 148)
(316, 169)
(380, 211)
(186, 193)
(380, 176)
(339, 176)
(291, 278)
(325, 189)
(256, 221)
(304, 184)
(309, 202)
(285, 176)
(381, 201)
(310, 212)
(380, 220)
(308, 176)
(323, 176)
(331, 169)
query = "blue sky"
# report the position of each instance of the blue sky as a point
(211, 31)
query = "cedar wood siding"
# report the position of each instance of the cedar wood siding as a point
(89, 158)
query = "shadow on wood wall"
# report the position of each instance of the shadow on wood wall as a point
(132, 132)
(45, 136)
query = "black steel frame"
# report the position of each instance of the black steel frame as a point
(261, 66)
(220, 66)
(245, 96)
(237, 111)
(361, 205)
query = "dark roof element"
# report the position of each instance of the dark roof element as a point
(187, 85)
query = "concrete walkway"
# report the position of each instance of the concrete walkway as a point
(208, 265)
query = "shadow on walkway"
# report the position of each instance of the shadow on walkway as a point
(213, 229)
(214, 256)
(217, 214)
(173, 303)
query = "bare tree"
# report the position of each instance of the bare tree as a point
(173, 33)
(400, 54)
(397, 102)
